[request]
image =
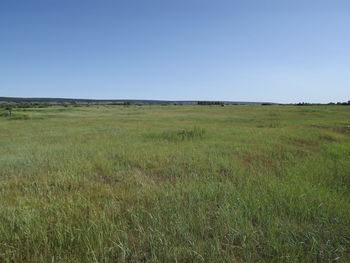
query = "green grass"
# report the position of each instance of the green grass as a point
(175, 184)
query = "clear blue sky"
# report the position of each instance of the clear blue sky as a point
(244, 50)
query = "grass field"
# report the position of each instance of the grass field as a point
(175, 184)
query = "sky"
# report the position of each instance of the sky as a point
(240, 50)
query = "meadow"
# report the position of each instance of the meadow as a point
(175, 184)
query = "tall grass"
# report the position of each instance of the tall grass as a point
(175, 184)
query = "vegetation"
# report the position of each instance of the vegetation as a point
(35, 102)
(28, 102)
(175, 184)
(9, 110)
(210, 103)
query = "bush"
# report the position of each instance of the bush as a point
(5, 114)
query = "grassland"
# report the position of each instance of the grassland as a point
(175, 184)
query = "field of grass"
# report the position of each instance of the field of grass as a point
(175, 184)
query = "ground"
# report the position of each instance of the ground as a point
(175, 184)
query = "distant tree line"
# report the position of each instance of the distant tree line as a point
(341, 103)
(25, 105)
(330, 103)
(210, 103)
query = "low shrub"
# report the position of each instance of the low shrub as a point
(5, 114)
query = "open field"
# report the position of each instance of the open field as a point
(175, 184)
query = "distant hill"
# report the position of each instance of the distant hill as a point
(59, 101)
